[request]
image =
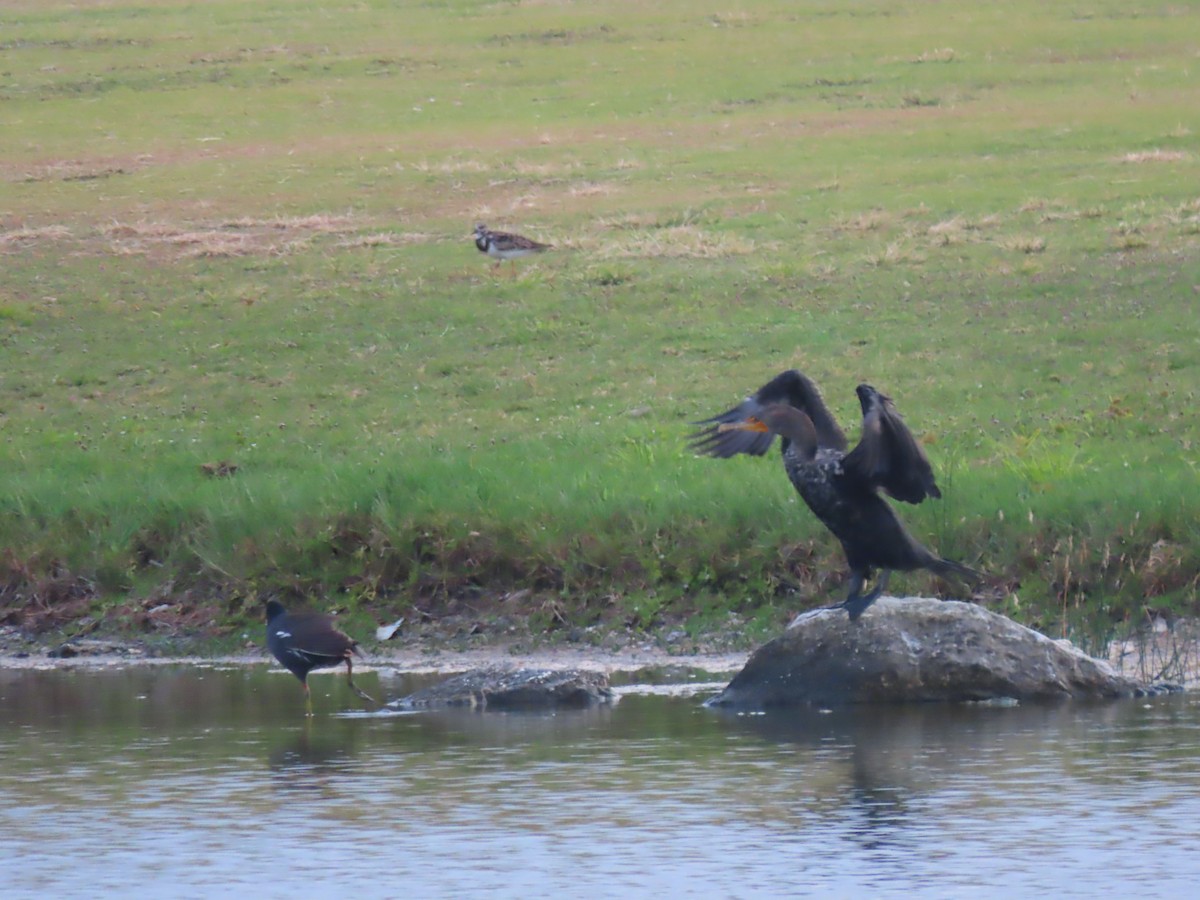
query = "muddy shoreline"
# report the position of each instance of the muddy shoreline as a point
(19, 651)
(414, 662)
(1155, 657)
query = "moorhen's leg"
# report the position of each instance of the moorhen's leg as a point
(354, 687)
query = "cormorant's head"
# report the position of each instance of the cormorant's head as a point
(783, 419)
(868, 397)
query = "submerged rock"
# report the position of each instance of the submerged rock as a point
(507, 689)
(917, 650)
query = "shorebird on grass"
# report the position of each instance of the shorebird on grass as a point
(501, 245)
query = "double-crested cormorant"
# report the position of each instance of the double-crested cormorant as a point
(500, 245)
(303, 641)
(840, 487)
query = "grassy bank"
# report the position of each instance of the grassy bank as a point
(236, 234)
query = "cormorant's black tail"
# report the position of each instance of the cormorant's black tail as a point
(957, 571)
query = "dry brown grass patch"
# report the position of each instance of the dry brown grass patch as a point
(387, 239)
(1038, 205)
(325, 223)
(68, 170)
(1059, 215)
(629, 221)
(949, 231)
(127, 239)
(1149, 156)
(864, 223)
(152, 230)
(940, 54)
(542, 169)
(682, 241)
(592, 189)
(210, 243)
(241, 236)
(891, 254)
(22, 236)
(1024, 243)
(449, 166)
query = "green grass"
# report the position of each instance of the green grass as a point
(238, 233)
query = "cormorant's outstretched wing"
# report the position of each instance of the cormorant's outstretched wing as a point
(887, 455)
(789, 387)
(712, 441)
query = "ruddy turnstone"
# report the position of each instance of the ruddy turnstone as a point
(500, 245)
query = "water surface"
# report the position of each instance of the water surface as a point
(188, 782)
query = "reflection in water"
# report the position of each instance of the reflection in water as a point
(927, 781)
(147, 780)
(308, 762)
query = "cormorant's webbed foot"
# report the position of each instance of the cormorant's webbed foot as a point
(856, 583)
(856, 604)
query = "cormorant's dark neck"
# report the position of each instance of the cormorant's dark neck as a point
(796, 429)
(803, 394)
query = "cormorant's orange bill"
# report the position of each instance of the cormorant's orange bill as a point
(753, 423)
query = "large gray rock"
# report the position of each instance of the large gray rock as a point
(507, 689)
(916, 650)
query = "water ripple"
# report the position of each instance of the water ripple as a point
(226, 788)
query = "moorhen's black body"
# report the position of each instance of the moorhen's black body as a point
(303, 641)
(841, 488)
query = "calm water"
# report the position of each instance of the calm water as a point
(188, 782)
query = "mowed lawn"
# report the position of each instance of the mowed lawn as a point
(249, 348)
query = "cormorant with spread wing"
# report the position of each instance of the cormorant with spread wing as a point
(840, 487)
